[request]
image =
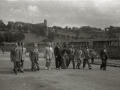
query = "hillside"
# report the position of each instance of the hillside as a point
(29, 37)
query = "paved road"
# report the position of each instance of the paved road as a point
(65, 79)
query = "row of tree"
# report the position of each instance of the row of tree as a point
(10, 37)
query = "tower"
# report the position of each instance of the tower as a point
(45, 22)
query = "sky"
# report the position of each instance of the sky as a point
(71, 13)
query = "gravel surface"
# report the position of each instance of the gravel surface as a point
(65, 79)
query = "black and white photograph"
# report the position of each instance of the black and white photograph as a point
(59, 44)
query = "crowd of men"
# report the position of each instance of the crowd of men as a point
(63, 57)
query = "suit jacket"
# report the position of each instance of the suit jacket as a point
(57, 51)
(86, 54)
(33, 54)
(18, 54)
(71, 53)
(103, 54)
(49, 53)
(23, 53)
(13, 54)
(79, 54)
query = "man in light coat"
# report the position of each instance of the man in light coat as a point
(23, 56)
(49, 55)
(18, 50)
(79, 54)
(86, 57)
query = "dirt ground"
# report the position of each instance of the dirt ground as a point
(65, 79)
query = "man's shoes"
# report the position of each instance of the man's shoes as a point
(78, 68)
(49, 69)
(57, 68)
(22, 71)
(38, 69)
(60, 68)
(46, 68)
(90, 68)
(104, 69)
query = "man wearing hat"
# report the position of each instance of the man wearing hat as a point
(71, 54)
(104, 57)
(49, 55)
(33, 55)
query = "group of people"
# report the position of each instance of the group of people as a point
(63, 57)
(17, 56)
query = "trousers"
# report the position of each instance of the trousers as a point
(84, 63)
(103, 65)
(58, 61)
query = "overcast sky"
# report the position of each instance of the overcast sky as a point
(77, 13)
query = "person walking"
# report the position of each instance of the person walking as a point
(104, 58)
(92, 55)
(71, 54)
(79, 57)
(13, 56)
(23, 56)
(33, 55)
(57, 53)
(65, 58)
(49, 55)
(86, 57)
(18, 55)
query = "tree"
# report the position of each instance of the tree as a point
(2, 25)
(9, 37)
(19, 36)
(9, 25)
(76, 37)
(51, 35)
(2, 38)
(19, 28)
(73, 37)
(68, 36)
(40, 30)
(25, 27)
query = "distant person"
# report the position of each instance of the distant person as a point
(79, 54)
(71, 53)
(2, 50)
(23, 56)
(104, 58)
(49, 55)
(57, 53)
(92, 55)
(33, 55)
(86, 57)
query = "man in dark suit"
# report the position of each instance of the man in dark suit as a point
(104, 57)
(57, 53)
(13, 55)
